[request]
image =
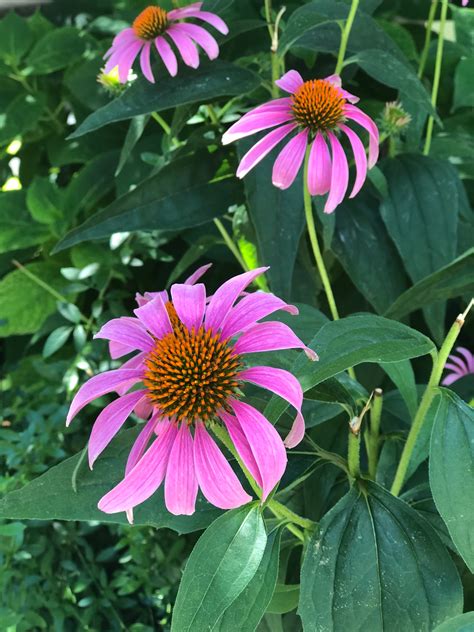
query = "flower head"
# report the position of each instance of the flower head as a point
(189, 357)
(155, 26)
(317, 110)
(459, 366)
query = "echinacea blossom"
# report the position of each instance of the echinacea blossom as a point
(459, 366)
(316, 112)
(159, 28)
(189, 360)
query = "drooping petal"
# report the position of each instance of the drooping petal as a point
(265, 443)
(141, 442)
(290, 81)
(145, 62)
(100, 385)
(335, 80)
(455, 368)
(126, 60)
(271, 336)
(285, 385)
(176, 14)
(360, 159)
(449, 379)
(241, 444)
(355, 114)
(185, 45)
(319, 167)
(109, 422)
(125, 37)
(181, 485)
(252, 308)
(116, 53)
(217, 480)
(149, 296)
(167, 55)
(249, 125)
(128, 332)
(226, 295)
(262, 148)
(201, 37)
(135, 362)
(144, 407)
(155, 317)
(457, 361)
(195, 276)
(189, 302)
(468, 356)
(144, 479)
(339, 175)
(289, 161)
(205, 16)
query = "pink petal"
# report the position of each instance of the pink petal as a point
(184, 11)
(100, 385)
(190, 303)
(319, 167)
(117, 349)
(271, 336)
(249, 125)
(205, 16)
(359, 157)
(142, 440)
(458, 361)
(339, 175)
(167, 55)
(109, 422)
(136, 362)
(144, 407)
(290, 81)
(456, 368)
(289, 161)
(226, 295)
(468, 356)
(201, 37)
(335, 80)
(285, 385)
(144, 479)
(126, 60)
(355, 114)
(252, 308)
(217, 480)
(145, 62)
(155, 317)
(262, 148)
(265, 443)
(241, 444)
(449, 379)
(185, 45)
(126, 331)
(126, 36)
(181, 485)
(195, 276)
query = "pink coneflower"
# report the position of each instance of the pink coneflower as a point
(316, 110)
(155, 25)
(460, 365)
(191, 366)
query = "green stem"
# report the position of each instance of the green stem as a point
(438, 365)
(293, 517)
(373, 434)
(273, 32)
(222, 435)
(437, 75)
(353, 454)
(161, 122)
(426, 46)
(345, 36)
(230, 243)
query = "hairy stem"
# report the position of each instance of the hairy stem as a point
(353, 454)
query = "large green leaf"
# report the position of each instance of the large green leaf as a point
(452, 470)
(403, 376)
(56, 50)
(452, 281)
(350, 341)
(179, 196)
(377, 565)
(461, 623)
(15, 38)
(464, 84)
(209, 81)
(59, 501)
(278, 218)
(222, 564)
(244, 614)
(21, 115)
(18, 231)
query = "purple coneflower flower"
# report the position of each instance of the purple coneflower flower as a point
(316, 110)
(459, 366)
(156, 26)
(191, 364)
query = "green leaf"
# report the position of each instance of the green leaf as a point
(452, 470)
(285, 598)
(402, 375)
(208, 82)
(16, 38)
(18, 231)
(346, 392)
(56, 340)
(221, 565)
(24, 305)
(89, 185)
(179, 196)
(452, 281)
(21, 115)
(278, 218)
(55, 50)
(134, 133)
(44, 201)
(360, 238)
(377, 565)
(464, 84)
(59, 501)
(464, 25)
(245, 613)
(461, 623)
(351, 341)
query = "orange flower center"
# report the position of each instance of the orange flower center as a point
(318, 105)
(190, 374)
(151, 22)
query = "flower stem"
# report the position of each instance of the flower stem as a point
(345, 36)
(437, 75)
(353, 454)
(278, 508)
(439, 361)
(230, 243)
(273, 32)
(161, 122)
(373, 434)
(426, 46)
